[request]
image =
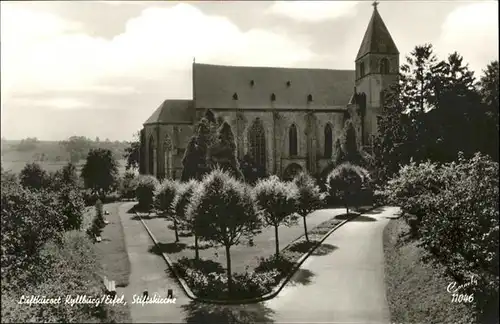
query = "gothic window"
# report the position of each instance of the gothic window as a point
(309, 98)
(384, 66)
(273, 97)
(328, 141)
(361, 69)
(151, 155)
(257, 143)
(235, 96)
(292, 140)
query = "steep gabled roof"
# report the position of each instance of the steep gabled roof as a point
(215, 86)
(180, 111)
(377, 38)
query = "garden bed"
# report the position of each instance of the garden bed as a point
(207, 278)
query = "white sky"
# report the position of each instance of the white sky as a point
(101, 68)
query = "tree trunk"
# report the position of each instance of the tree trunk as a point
(176, 231)
(229, 275)
(277, 240)
(305, 228)
(196, 253)
(347, 208)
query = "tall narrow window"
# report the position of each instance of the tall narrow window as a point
(384, 66)
(273, 97)
(167, 149)
(257, 143)
(361, 69)
(292, 140)
(151, 155)
(328, 141)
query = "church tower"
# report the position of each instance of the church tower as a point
(377, 68)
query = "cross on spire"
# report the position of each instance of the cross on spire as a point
(375, 4)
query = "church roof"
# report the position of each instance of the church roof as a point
(180, 111)
(220, 86)
(377, 38)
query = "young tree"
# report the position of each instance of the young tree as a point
(277, 200)
(346, 181)
(223, 151)
(309, 197)
(225, 212)
(180, 203)
(144, 192)
(164, 197)
(100, 172)
(99, 213)
(33, 176)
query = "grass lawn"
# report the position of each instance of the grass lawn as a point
(242, 256)
(416, 292)
(112, 250)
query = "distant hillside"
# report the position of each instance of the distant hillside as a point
(52, 155)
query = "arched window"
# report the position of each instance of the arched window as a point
(384, 66)
(309, 98)
(273, 97)
(292, 140)
(151, 156)
(328, 141)
(257, 143)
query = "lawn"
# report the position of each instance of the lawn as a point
(242, 256)
(112, 251)
(416, 292)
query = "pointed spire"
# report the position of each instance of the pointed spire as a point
(377, 38)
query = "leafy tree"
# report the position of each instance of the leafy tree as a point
(489, 88)
(33, 176)
(100, 172)
(250, 170)
(277, 200)
(145, 189)
(309, 197)
(346, 181)
(211, 201)
(180, 204)
(128, 185)
(72, 206)
(69, 175)
(196, 161)
(164, 197)
(77, 147)
(223, 151)
(132, 153)
(29, 219)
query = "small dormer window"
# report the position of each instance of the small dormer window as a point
(288, 84)
(273, 97)
(309, 98)
(252, 83)
(235, 96)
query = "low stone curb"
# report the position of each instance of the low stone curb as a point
(264, 297)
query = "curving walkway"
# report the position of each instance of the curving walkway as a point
(148, 271)
(347, 284)
(344, 284)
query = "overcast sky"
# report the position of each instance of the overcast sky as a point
(101, 68)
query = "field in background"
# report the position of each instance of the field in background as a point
(51, 155)
(17, 166)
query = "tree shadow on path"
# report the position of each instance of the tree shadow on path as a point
(302, 276)
(198, 313)
(355, 218)
(324, 249)
(167, 248)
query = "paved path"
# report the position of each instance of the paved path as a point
(148, 271)
(344, 286)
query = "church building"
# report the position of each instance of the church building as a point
(285, 119)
